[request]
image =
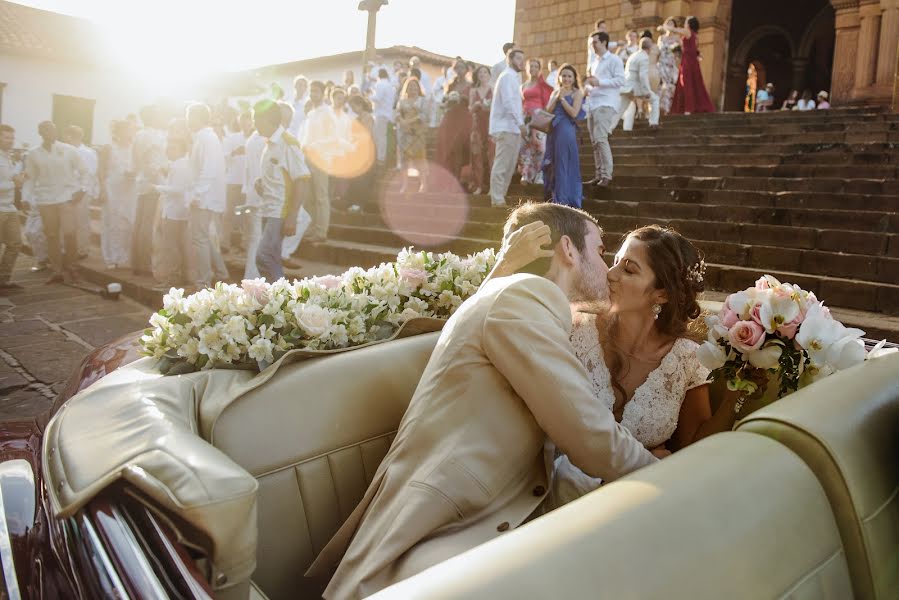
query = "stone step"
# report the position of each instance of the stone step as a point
(774, 149)
(650, 138)
(831, 185)
(723, 169)
(739, 159)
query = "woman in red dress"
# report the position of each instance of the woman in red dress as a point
(453, 151)
(480, 98)
(690, 95)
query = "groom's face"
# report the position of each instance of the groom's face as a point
(591, 284)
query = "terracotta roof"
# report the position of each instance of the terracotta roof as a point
(26, 31)
(386, 53)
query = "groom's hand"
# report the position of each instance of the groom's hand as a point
(660, 452)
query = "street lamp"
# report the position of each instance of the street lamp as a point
(372, 6)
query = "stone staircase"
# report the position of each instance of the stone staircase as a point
(811, 198)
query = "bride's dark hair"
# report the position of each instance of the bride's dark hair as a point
(679, 269)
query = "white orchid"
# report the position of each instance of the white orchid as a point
(827, 341)
(711, 355)
(879, 350)
(766, 357)
(743, 302)
(776, 310)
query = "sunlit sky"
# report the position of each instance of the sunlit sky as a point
(177, 37)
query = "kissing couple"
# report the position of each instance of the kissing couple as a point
(558, 374)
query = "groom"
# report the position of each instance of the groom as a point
(468, 460)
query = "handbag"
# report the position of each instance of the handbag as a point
(542, 120)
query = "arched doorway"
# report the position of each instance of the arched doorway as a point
(791, 45)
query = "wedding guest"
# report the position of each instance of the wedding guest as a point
(606, 77)
(453, 149)
(319, 201)
(669, 44)
(55, 170)
(300, 98)
(501, 66)
(175, 247)
(655, 78)
(34, 229)
(561, 166)
(438, 93)
(423, 77)
(613, 45)
(283, 186)
(637, 87)
(234, 148)
(823, 104)
(74, 136)
(764, 99)
(479, 101)
(118, 196)
(361, 192)
(349, 79)
(535, 93)
(384, 100)
(690, 95)
(806, 102)
(553, 75)
(207, 197)
(630, 47)
(507, 126)
(413, 127)
(291, 242)
(509, 343)
(149, 160)
(343, 133)
(11, 179)
(791, 101)
(252, 171)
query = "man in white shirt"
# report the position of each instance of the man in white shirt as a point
(207, 197)
(497, 69)
(234, 147)
(254, 149)
(591, 54)
(55, 168)
(10, 233)
(290, 243)
(384, 100)
(553, 67)
(603, 88)
(507, 126)
(175, 246)
(149, 161)
(300, 98)
(282, 187)
(318, 120)
(74, 136)
(636, 87)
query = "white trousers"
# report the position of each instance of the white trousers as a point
(505, 161)
(290, 244)
(115, 237)
(381, 124)
(630, 110)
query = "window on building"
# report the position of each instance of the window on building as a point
(71, 110)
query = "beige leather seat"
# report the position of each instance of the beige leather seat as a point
(313, 437)
(734, 516)
(847, 430)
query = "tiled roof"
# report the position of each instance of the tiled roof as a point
(31, 32)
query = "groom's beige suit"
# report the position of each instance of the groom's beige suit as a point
(468, 460)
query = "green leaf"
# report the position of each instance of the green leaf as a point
(181, 319)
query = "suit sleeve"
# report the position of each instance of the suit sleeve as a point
(526, 337)
(644, 76)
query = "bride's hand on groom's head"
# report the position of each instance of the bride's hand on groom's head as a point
(523, 246)
(660, 452)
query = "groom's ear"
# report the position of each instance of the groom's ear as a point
(567, 251)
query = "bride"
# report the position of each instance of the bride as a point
(638, 347)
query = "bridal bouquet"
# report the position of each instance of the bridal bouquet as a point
(253, 324)
(777, 332)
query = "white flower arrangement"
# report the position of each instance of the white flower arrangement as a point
(253, 324)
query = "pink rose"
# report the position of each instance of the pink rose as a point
(414, 276)
(728, 317)
(755, 313)
(329, 282)
(788, 330)
(256, 289)
(746, 336)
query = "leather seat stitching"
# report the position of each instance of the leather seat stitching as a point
(817, 569)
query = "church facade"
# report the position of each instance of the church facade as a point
(845, 47)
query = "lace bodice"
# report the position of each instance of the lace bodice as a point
(651, 414)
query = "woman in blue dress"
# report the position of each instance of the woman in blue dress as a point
(561, 163)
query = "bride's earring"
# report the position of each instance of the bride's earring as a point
(656, 309)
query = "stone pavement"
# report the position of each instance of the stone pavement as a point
(45, 332)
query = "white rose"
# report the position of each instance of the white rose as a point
(313, 319)
(766, 358)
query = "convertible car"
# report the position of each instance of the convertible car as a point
(226, 484)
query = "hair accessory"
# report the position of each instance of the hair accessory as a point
(696, 273)
(656, 309)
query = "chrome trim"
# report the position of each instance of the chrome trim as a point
(6, 555)
(195, 588)
(146, 567)
(100, 551)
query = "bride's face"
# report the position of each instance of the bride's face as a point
(632, 281)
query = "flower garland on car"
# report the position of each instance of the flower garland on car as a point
(253, 324)
(777, 331)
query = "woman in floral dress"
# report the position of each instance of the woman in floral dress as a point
(413, 126)
(669, 62)
(535, 93)
(481, 144)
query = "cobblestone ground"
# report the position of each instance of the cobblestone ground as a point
(45, 332)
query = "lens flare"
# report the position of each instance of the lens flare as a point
(426, 219)
(341, 150)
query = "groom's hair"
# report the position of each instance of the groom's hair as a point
(562, 221)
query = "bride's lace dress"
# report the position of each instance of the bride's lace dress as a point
(651, 414)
